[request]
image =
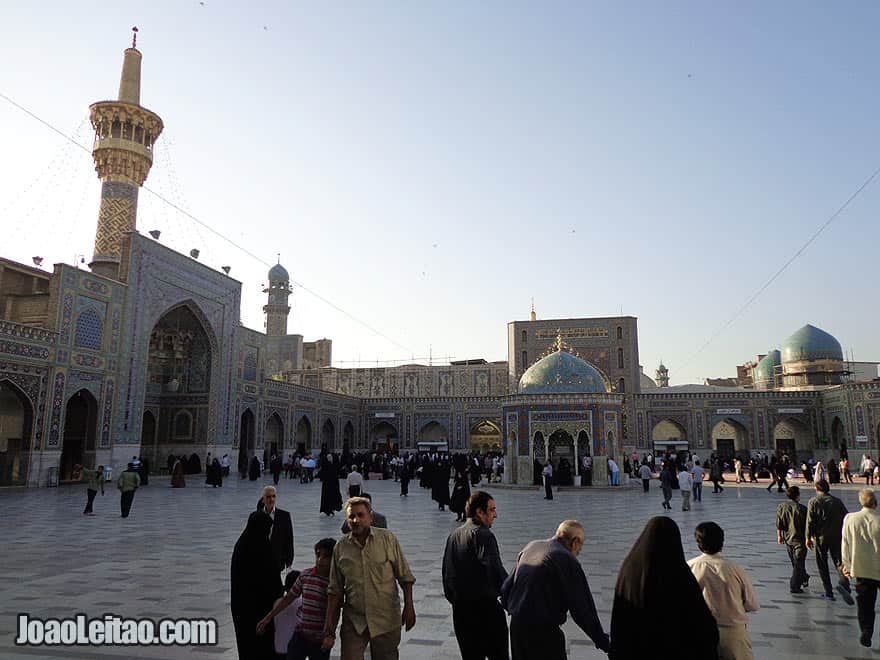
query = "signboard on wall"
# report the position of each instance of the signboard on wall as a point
(729, 411)
(790, 411)
(862, 439)
(384, 415)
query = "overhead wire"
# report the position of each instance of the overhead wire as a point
(223, 237)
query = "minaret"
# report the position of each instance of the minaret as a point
(276, 309)
(662, 375)
(125, 133)
(532, 315)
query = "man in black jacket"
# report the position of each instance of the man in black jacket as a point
(791, 531)
(281, 534)
(825, 514)
(472, 579)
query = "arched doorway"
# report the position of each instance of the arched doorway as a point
(561, 446)
(274, 435)
(485, 437)
(247, 436)
(16, 417)
(669, 437)
(583, 448)
(838, 431)
(179, 372)
(303, 435)
(433, 436)
(78, 440)
(328, 435)
(383, 435)
(348, 435)
(729, 440)
(148, 437)
(790, 436)
(539, 456)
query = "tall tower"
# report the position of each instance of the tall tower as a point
(276, 309)
(662, 375)
(125, 133)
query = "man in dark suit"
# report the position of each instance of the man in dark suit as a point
(281, 534)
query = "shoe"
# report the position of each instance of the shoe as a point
(805, 583)
(864, 640)
(847, 596)
(797, 591)
(827, 597)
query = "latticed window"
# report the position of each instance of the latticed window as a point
(250, 366)
(620, 358)
(89, 330)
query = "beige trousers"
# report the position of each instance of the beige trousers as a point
(734, 643)
(382, 647)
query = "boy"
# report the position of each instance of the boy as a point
(312, 586)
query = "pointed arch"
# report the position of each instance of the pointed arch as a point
(17, 413)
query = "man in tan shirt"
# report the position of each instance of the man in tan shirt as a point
(367, 566)
(860, 557)
(728, 592)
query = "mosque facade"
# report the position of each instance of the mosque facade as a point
(144, 354)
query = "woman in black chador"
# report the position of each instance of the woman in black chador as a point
(331, 496)
(461, 491)
(254, 469)
(440, 484)
(255, 586)
(656, 593)
(214, 474)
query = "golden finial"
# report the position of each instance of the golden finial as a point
(559, 345)
(134, 37)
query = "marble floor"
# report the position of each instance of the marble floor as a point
(171, 559)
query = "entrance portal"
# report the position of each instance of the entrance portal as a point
(274, 435)
(15, 429)
(78, 441)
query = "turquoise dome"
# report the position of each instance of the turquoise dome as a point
(278, 274)
(561, 373)
(766, 369)
(811, 343)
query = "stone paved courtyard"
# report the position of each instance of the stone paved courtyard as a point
(171, 559)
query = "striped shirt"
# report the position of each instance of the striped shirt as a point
(313, 588)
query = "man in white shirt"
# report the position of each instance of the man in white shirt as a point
(355, 481)
(727, 590)
(697, 488)
(645, 476)
(860, 550)
(685, 483)
(613, 473)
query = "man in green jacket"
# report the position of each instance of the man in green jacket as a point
(96, 481)
(791, 530)
(825, 514)
(128, 483)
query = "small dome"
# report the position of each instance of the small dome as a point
(811, 343)
(561, 373)
(278, 274)
(766, 368)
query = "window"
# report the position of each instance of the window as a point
(621, 386)
(89, 330)
(620, 358)
(525, 359)
(183, 425)
(619, 332)
(524, 336)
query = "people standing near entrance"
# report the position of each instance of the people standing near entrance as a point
(405, 476)
(844, 470)
(645, 476)
(685, 483)
(588, 470)
(225, 464)
(657, 594)
(547, 474)
(440, 483)
(791, 531)
(738, 469)
(613, 473)
(367, 567)
(697, 489)
(716, 475)
(461, 492)
(472, 579)
(254, 469)
(825, 514)
(275, 465)
(178, 480)
(96, 482)
(727, 591)
(127, 484)
(547, 583)
(331, 496)
(214, 474)
(860, 555)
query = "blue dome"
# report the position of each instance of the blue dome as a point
(766, 368)
(811, 343)
(561, 373)
(278, 274)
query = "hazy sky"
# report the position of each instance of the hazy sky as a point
(429, 167)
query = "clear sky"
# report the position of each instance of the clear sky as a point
(429, 167)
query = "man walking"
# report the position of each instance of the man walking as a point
(860, 554)
(727, 590)
(547, 583)
(355, 482)
(685, 483)
(791, 528)
(825, 514)
(666, 477)
(281, 534)
(645, 476)
(547, 473)
(367, 566)
(96, 481)
(697, 473)
(127, 483)
(472, 579)
(716, 475)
